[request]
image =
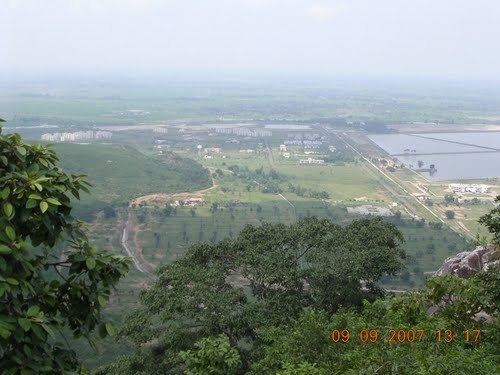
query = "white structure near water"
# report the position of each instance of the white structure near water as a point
(243, 132)
(76, 136)
(469, 188)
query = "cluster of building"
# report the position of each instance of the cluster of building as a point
(469, 188)
(284, 151)
(369, 210)
(244, 132)
(305, 136)
(160, 129)
(190, 202)
(311, 161)
(76, 136)
(210, 150)
(304, 143)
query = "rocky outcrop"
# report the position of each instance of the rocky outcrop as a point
(468, 263)
(464, 265)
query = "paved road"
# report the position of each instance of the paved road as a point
(391, 179)
(455, 142)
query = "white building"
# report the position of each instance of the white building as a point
(243, 132)
(469, 188)
(160, 129)
(367, 210)
(286, 155)
(212, 150)
(76, 136)
(283, 148)
(311, 161)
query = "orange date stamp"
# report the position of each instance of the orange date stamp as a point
(403, 335)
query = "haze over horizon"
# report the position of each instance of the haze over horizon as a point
(359, 38)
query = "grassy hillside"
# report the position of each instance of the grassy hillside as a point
(119, 173)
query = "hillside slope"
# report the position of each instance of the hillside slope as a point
(120, 173)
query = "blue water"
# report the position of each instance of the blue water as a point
(471, 163)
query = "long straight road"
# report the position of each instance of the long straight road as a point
(390, 178)
(459, 226)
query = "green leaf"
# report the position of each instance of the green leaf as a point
(21, 150)
(4, 333)
(12, 281)
(102, 300)
(53, 201)
(47, 329)
(5, 249)
(5, 193)
(102, 330)
(35, 196)
(8, 209)
(90, 262)
(43, 206)
(24, 323)
(40, 334)
(110, 329)
(31, 203)
(33, 311)
(10, 232)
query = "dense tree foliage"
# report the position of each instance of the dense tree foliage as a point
(264, 277)
(44, 291)
(492, 221)
(269, 302)
(306, 342)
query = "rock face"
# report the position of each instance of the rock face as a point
(468, 263)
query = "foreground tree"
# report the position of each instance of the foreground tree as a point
(262, 278)
(44, 290)
(307, 341)
(491, 221)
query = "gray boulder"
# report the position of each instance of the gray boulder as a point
(467, 263)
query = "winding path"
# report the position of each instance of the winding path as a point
(128, 224)
(124, 242)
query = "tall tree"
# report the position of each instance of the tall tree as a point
(264, 277)
(51, 278)
(492, 221)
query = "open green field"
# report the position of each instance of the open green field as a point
(120, 173)
(342, 182)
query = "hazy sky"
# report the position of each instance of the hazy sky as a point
(434, 38)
